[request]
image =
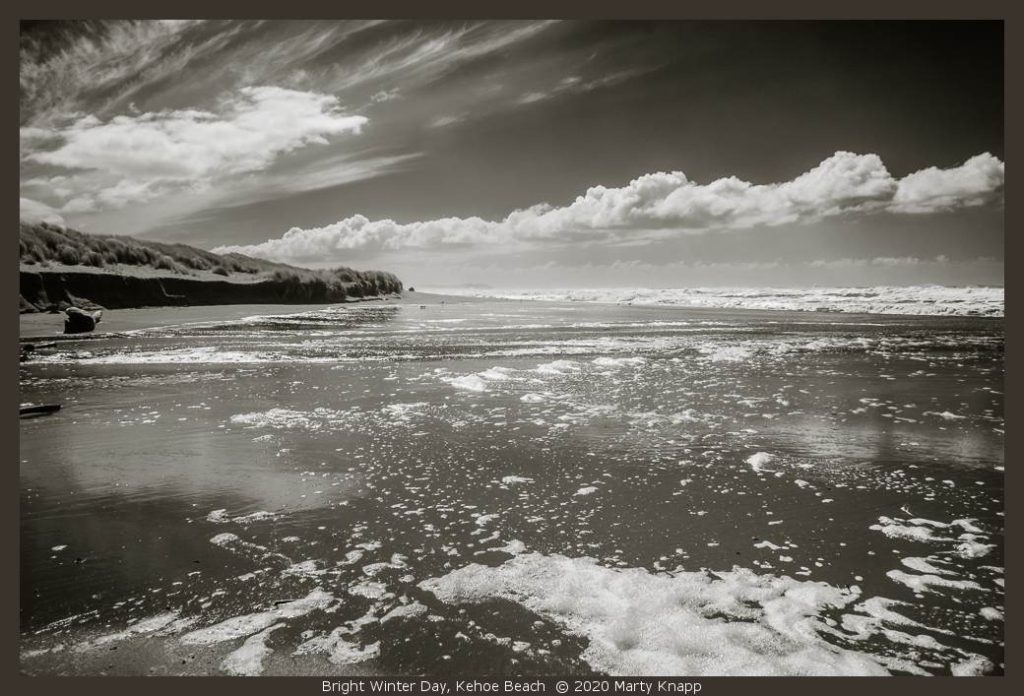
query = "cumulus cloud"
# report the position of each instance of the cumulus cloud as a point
(662, 200)
(883, 261)
(386, 95)
(357, 232)
(254, 128)
(133, 158)
(976, 182)
(36, 212)
(845, 183)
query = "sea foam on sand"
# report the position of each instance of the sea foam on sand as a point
(687, 623)
(759, 459)
(247, 661)
(248, 624)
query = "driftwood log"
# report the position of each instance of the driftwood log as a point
(40, 410)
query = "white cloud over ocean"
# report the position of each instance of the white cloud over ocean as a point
(931, 189)
(664, 202)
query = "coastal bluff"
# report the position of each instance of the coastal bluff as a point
(61, 268)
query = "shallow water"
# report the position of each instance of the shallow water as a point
(388, 488)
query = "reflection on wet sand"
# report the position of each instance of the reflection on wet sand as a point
(389, 489)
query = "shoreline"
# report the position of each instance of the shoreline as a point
(50, 326)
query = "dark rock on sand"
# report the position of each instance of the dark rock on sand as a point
(80, 321)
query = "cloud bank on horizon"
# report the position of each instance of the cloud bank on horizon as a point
(406, 144)
(845, 183)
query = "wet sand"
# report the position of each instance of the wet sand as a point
(385, 488)
(44, 325)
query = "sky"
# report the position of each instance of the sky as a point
(531, 153)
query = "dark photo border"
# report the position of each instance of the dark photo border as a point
(951, 10)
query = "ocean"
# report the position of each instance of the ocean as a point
(607, 482)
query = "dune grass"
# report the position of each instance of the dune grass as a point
(43, 245)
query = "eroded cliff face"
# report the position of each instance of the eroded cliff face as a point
(45, 291)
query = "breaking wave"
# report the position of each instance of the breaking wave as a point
(918, 300)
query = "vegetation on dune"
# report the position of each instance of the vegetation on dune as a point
(338, 283)
(43, 245)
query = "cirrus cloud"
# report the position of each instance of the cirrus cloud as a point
(666, 202)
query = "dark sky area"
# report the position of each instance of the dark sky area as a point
(532, 153)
